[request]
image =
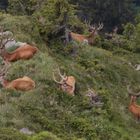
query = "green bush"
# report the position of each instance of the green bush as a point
(52, 113)
(45, 136)
(53, 16)
(23, 27)
(22, 7)
(129, 30)
(11, 134)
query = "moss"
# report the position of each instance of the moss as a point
(45, 136)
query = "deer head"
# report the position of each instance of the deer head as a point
(67, 83)
(94, 28)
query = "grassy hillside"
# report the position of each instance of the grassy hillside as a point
(54, 115)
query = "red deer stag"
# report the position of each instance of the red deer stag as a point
(67, 83)
(89, 39)
(23, 84)
(95, 99)
(24, 52)
(133, 107)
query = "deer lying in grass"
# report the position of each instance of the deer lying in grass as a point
(67, 83)
(88, 39)
(133, 107)
(24, 52)
(136, 66)
(95, 99)
(23, 84)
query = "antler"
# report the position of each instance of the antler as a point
(131, 92)
(5, 37)
(91, 92)
(94, 26)
(10, 38)
(100, 26)
(88, 24)
(5, 68)
(63, 77)
(59, 82)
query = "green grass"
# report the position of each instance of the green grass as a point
(48, 108)
(55, 115)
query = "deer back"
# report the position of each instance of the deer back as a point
(133, 107)
(26, 48)
(77, 37)
(22, 84)
(23, 52)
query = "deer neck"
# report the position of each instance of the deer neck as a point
(91, 37)
(132, 102)
(92, 34)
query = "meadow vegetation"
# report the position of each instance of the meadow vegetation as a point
(53, 114)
